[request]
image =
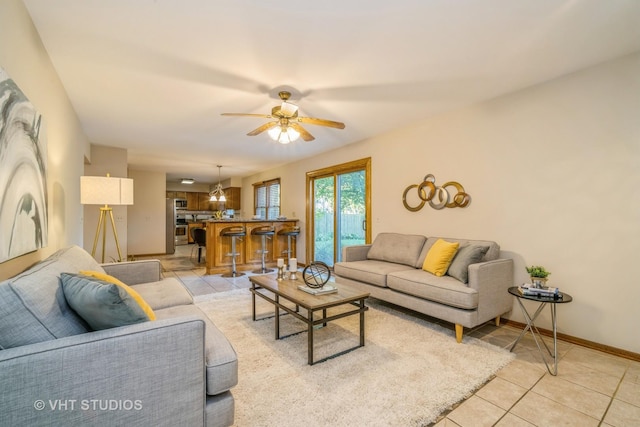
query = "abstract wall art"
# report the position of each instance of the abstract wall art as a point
(23, 174)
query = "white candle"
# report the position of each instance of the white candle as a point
(293, 264)
(280, 262)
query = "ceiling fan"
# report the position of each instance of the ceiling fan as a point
(286, 126)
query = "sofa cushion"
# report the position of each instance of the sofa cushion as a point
(220, 357)
(444, 290)
(101, 304)
(439, 257)
(397, 248)
(132, 292)
(18, 325)
(466, 255)
(492, 253)
(369, 271)
(32, 304)
(165, 293)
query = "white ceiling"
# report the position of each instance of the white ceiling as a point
(153, 76)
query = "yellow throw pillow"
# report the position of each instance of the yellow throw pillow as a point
(132, 292)
(439, 257)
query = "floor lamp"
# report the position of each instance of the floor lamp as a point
(106, 190)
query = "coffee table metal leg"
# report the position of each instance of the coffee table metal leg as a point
(253, 301)
(310, 339)
(362, 323)
(277, 317)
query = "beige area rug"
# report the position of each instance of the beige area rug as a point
(182, 263)
(408, 372)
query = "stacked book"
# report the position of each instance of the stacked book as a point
(549, 292)
(326, 289)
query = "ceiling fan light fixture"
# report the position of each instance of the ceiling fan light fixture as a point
(283, 135)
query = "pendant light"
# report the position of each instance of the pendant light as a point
(217, 195)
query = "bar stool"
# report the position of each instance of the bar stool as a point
(290, 232)
(265, 232)
(235, 232)
(199, 236)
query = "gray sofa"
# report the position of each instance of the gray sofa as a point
(390, 269)
(175, 370)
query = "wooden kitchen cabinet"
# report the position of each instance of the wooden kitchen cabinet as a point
(176, 194)
(233, 198)
(192, 201)
(204, 204)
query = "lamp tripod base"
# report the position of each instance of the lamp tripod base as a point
(102, 224)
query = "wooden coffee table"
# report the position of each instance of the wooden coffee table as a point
(272, 290)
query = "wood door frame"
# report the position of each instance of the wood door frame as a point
(355, 165)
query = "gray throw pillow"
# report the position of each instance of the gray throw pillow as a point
(466, 256)
(101, 304)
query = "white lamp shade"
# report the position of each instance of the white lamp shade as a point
(106, 190)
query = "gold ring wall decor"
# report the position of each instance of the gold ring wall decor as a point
(437, 197)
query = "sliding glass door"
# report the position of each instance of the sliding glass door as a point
(338, 209)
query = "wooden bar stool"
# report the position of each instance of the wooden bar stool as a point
(291, 233)
(265, 232)
(235, 232)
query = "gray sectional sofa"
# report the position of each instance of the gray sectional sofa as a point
(470, 294)
(175, 370)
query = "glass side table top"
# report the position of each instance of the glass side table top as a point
(564, 297)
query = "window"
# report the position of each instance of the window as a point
(266, 197)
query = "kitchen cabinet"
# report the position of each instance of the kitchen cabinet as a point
(176, 194)
(192, 201)
(204, 204)
(233, 198)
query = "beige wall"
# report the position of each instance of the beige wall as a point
(24, 58)
(554, 175)
(146, 217)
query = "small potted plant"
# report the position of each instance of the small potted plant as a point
(538, 275)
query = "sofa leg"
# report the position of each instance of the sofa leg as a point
(498, 321)
(459, 329)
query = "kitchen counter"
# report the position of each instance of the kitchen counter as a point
(251, 220)
(247, 248)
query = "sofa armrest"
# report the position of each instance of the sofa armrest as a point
(135, 272)
(355, 253)
(150, 373)
(492, 279)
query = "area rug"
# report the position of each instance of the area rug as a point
(408, 372)
(181, 263)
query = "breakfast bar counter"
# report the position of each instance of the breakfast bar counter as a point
(248, 256)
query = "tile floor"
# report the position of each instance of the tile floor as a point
(591, 389)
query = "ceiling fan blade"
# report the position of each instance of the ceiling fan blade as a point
(321, 122)
(262, 128)
(264, 116)
(302, 131)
